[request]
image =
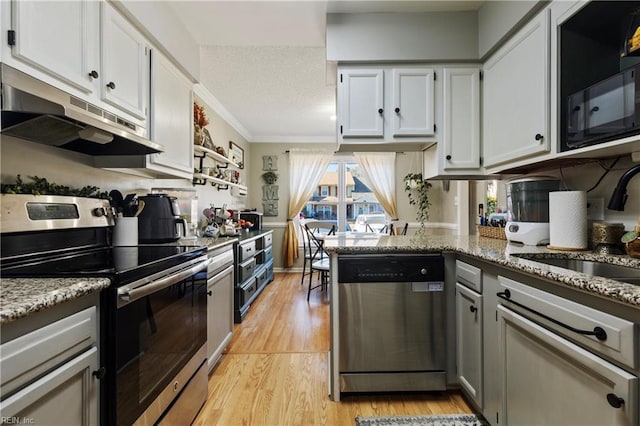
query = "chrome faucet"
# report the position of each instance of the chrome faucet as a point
(619, 196)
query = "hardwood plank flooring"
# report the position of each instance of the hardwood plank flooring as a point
(275, 370)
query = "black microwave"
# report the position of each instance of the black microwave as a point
(607, 110)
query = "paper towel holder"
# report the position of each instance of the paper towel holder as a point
(619, 196)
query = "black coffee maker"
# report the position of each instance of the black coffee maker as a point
(160, 220)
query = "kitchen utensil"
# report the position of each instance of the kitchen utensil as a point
(159, 220)
(129, 205)
(116, 200)
(211, 231)
(141, 205)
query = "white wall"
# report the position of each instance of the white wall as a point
(438, 36)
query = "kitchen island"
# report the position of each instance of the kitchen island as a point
(514, 318)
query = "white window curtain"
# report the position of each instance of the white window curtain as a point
(306, 168)
(379, 170)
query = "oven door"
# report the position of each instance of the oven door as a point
(157, 328)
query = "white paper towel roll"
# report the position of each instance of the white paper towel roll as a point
(568, 220)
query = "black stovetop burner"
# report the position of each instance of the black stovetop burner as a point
(121, 264)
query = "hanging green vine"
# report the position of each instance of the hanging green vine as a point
(417, 190)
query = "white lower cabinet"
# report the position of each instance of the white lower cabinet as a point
(547, 380)
(469, 342)
(220, 289)
(49, 367)
(66, 396)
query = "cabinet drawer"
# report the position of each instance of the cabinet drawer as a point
(26, 358)
(248, 291)
(469, 275)
(262, 276)
(620, 341)
(247, 250)
(267, 240)
(245, 270)
(268, 254)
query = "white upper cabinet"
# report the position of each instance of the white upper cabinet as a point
(461, 129)
(171, 117)
(58, 38)
(413, 102)
(361, 103)
(125, 64)
(386, 104)
(457, 152)
(83, 47)
(516, 96)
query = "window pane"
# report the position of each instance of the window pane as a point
(343, 196)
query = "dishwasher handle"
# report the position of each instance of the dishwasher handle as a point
(598, 332)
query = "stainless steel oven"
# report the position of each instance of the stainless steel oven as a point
(158, 342)
(152, 317)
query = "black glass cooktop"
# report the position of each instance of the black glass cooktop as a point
(121, 264)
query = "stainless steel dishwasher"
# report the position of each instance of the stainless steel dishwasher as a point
(391, 322)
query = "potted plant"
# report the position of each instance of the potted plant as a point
(417, 190)
(270, 177)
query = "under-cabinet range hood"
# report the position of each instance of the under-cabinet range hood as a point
(39, 112)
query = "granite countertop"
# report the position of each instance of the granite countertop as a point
(500, 252)
(20, 297)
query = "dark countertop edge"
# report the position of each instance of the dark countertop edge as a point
(67, 289)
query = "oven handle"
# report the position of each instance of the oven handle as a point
(154, 286)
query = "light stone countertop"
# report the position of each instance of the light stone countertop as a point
(20, 297)
(500, 252)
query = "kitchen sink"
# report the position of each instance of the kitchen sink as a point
(625, 274)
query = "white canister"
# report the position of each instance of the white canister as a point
(125, 233)
(568, 220)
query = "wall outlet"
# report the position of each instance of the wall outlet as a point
(595, 208)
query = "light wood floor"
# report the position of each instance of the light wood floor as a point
(275, 371)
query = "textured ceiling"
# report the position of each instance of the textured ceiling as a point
(265, 60)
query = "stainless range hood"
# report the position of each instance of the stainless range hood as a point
(39, 112)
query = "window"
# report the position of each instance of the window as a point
(343, 197)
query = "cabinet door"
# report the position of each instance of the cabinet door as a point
(413, 102)
(516, 96)
(60, 38)
(125, 64)
(66, 396)
(461, 132)
(171, 117)
(219, 314)
(469, 342)
(549, 380)
(361, 97)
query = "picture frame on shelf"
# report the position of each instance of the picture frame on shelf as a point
(236, 154)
